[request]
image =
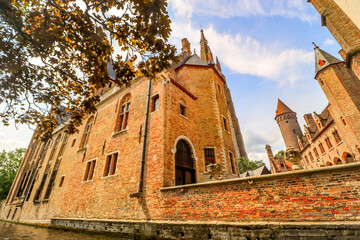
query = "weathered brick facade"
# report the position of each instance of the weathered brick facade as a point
(189, 105)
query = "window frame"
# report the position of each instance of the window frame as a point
(155, 102)
(322, 149)
(89, 170)
(337, 137)
(328, 143)
(226, 124)
(213, 157)
(110, 166)
(232, 163)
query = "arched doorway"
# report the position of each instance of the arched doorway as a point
(337, 161)
(347, 157)
(184, 164)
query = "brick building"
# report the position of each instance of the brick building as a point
(150, 135)
(333, 136)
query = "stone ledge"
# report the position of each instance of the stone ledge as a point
(250, 180)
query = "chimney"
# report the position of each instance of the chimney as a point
(185, 46)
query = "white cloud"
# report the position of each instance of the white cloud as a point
(243, 8)
(11, 138)
(246, 55)
(329, 41)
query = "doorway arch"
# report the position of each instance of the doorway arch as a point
(347, 157)
(337, 161)
(184, 163)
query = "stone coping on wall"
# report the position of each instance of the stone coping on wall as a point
(336, 168)
(193, 222)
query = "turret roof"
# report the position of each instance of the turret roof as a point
(323, 59)
(282, 108)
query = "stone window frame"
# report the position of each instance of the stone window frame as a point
(322, 149)
(155, 102)
(219, 87)
(337, 137)
(111, 172)
(328, 143)
(225, 123)
(89, 168)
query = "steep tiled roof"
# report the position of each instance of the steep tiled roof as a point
(193, 60)
(323, 59)
(282, 108)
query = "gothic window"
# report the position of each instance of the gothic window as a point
(123, 117)
(56, 143)
(328, 143)
(110, 164)
(39, 190)
(307, 160)
(184, 164)
(155, 103)
(336, 136)
(316, 153)
(311, 156)
(209, 156)
(322, 149)
(89, 170)
(85, 137)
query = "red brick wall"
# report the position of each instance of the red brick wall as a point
(326, 194)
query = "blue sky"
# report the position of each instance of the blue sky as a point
(264, 47)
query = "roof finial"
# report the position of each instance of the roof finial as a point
(315, 46)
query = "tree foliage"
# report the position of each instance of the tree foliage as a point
(248, 165)
(55, 54)
(9, 164)
(280, 153)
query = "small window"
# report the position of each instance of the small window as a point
(219, 87)
(182, 110)
(328, 143)
(226, 127)
(73, 143)
(282, 165)
(343, 121)
(307, 160)
(61, 181)
(110, 84)
(209, 156)
(336, 136)
(155, 103)
(89, 171)
(323, 20)
(311, 156)
(294, 131)
(123, 118)
(316, 153)
(110, 164)
(322, 149)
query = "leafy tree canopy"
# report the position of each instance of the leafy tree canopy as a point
(55, 54)
(280, 153)
(9, 164)
(248, 165)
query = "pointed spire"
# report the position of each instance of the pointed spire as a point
(218, 64)
(205, 52)
(323, 59)
(282, 108)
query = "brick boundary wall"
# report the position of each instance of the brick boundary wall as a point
(324, 194)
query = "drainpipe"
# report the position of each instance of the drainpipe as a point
(142, 168)
(33, 175)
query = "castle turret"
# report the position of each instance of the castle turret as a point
(288, 124)
(341, 87)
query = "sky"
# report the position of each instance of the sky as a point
(266, 52)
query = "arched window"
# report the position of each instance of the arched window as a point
(85, 137)
(123, 117)
(184, 164)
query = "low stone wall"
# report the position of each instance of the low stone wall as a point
(215, 230)
(325, 194)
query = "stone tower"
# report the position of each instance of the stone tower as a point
(341, 87)
(288, 124)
